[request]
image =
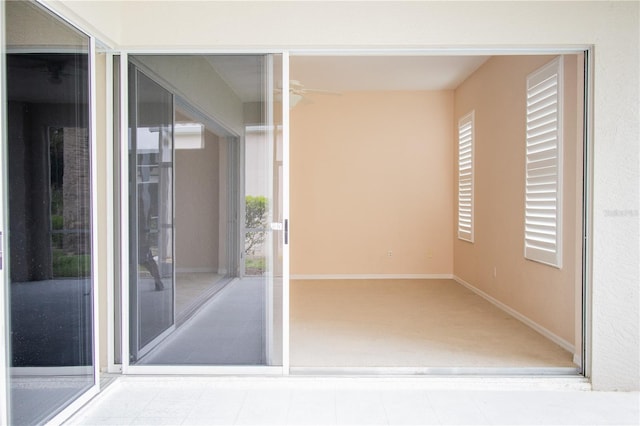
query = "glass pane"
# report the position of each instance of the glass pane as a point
(49, 186)
(152, 289)
(223, 177)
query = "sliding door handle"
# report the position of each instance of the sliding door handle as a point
(277, 226)
(286, 231)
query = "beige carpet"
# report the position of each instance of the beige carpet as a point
(409, 323)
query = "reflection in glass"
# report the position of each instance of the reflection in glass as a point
(152, 289)
(207, 122)
(50, 291)
(255, 234)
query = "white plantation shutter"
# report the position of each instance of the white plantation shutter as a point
(465, 177)
(543, 165)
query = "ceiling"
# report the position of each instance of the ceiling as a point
(358, 73)
(351, 73)
(242, 73)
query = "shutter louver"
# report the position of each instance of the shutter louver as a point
(465, 177)
(543, 165)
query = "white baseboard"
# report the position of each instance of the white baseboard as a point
(195, 270)
(372, 277)
(577, 359)
(517, 315)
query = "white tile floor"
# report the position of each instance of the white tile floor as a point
(356, 401)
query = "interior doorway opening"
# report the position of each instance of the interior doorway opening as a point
(372, 280)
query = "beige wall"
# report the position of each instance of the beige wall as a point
(196, 209)
(494, 262)
(371, 173)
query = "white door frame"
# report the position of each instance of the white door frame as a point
(4, 204)
(286, 53)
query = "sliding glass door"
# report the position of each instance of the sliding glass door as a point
(206, 225)
(151, 291)
(48, 269)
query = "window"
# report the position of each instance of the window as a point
(465, 177)
(543, 165)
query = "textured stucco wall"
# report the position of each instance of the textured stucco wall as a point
(612, 28)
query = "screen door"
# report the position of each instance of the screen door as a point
(151, 289)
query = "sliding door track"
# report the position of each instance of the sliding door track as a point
(436, 371)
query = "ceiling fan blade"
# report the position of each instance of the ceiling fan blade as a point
(295, 86)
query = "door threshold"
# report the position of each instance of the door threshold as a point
(354, 381)
(438, 371)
